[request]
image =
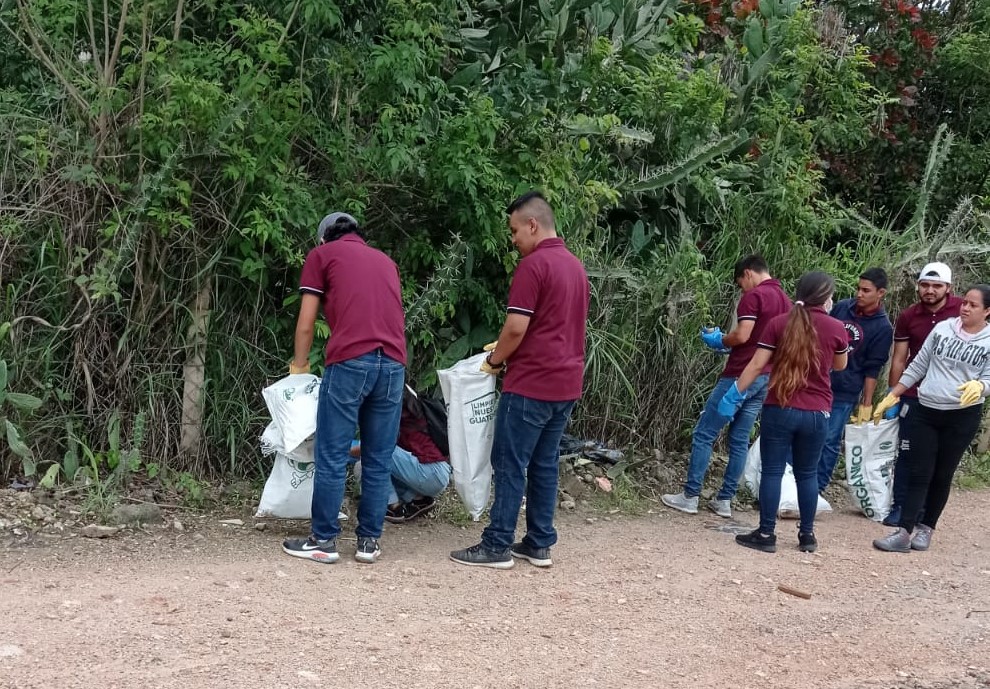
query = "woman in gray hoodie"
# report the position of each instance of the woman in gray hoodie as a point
(953, 366)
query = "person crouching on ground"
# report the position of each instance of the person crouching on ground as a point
(802, 347)
(362, 383)
(542, 346)
(953, 366)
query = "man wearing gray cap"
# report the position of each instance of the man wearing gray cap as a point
(936, 303)
(358, 289)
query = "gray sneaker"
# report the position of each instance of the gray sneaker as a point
(722, 508)
(897, 542)
(921, 539)
(681, 502)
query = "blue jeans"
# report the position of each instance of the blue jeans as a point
(711, 424)
(366, 393)
(411, 479)
(901, 470)
(796, 435)
(841, 411)
(525, 455)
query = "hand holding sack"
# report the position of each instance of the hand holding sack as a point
(888, 402)
(863, 413)
(712, 337)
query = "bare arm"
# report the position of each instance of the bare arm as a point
(512, 334)
(840, 361)
(740, 334)
(309, 308)
(759, 361)
(898, 362)
(869, 387)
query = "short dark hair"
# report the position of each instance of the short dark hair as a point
(984, 291)
(878, 276)
(753, 262)
(534, 203)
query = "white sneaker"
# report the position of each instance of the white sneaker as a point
(681, 502)
(722, 508)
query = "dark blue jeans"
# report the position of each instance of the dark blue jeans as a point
(841, 411)
(366, 393)
(706, 431)
(525, 458)
(796, 435)
(900, 468)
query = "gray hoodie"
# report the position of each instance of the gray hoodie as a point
(948, 358)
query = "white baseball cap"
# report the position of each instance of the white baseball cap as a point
(936, 272)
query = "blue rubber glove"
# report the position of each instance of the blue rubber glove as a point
(731, 401)
(894, 411)
(713, 339)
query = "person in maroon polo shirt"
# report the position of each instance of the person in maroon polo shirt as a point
(363, 382)
(541, 349)
(803, 346)
(936, 303)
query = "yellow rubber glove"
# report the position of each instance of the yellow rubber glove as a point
(492, 370)
(490, 347)
(886, 403)
(972, 390)
(863, 413)
(293, 369)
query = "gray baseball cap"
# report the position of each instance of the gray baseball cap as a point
(331, 220)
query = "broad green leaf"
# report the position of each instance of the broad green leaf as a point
(23, 401)
(48, 480)
(18, 447)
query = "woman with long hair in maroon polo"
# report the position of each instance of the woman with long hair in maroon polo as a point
(803, 347)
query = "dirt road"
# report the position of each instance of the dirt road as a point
(663, 600)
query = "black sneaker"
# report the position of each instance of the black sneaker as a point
(396, 515)
(480, 556)
(807, 543)
(539, 557)
(418, 507)
(758, 541)
(312, 549)
(368, 550)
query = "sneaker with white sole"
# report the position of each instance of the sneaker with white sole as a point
(681, 502)
(722, 508)
(312, 549)
(368, 550)
(480, 556)
(895, 542)
(538, 557)
(921, 539)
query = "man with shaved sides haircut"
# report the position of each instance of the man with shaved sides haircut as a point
(541, 351)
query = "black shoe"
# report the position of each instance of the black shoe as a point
(368, 550)
(480, 556)
(807, 543)
(893, 517)
(538, 557)
(396, 515)
(312, 549)
(418, 507)
(758, 541)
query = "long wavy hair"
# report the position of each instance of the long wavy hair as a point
(798, 349)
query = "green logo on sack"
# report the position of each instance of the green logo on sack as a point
(482, 408)
(857, 481)
(886, 445)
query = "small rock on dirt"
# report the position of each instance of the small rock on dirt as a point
(260, 526)
(10, 651)
(177, 526)
(98, 531)
(232, 522)
(137, 514)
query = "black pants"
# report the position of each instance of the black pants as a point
(900, 468)
(930, 451)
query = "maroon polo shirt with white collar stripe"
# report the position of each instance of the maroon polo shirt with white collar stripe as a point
(550, 287)
(362, 299)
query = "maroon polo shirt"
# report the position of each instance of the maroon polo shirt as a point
(816, 393)
(550, 286)
(760, 305)
(362, 298)
(414, 437)
(916, 322)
